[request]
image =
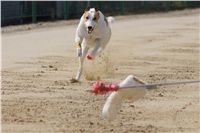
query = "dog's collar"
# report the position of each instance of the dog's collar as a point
(78, 45)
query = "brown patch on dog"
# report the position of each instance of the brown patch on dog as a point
(96, 16)
(86, 15)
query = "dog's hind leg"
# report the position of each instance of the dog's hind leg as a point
(81, 60)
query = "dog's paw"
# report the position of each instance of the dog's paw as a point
(73, 80)
(89, 57)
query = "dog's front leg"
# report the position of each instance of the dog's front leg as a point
(96, 48)
(81, 61)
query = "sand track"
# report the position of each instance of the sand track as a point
(37, 65)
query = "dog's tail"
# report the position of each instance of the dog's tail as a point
(110, 19)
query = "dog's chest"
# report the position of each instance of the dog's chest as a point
(93, 36)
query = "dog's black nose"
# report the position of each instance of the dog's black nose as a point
(89, 27)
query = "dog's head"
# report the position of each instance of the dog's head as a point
(91, 18)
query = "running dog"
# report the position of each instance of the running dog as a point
(93, 31)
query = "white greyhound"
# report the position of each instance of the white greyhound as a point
(93, 31)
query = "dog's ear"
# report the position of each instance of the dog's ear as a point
(87, 9)
(96, 9)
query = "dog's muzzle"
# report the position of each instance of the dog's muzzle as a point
(90, 29)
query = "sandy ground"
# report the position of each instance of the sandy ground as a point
(38, 63)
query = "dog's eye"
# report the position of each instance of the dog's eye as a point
(87, 17)
(94, 18)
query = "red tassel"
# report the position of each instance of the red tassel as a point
(102, 88)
